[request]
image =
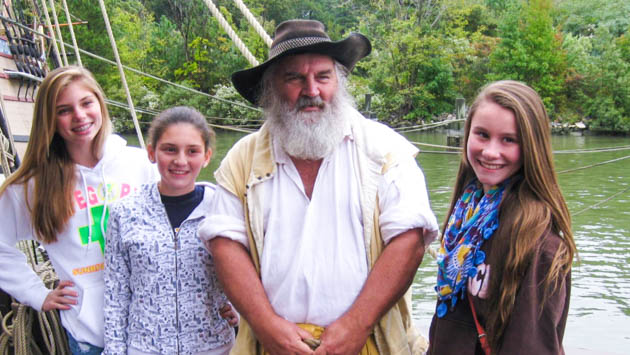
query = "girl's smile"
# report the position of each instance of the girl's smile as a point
(78, 116)
(493, 148)
(180, 154)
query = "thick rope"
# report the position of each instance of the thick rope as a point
(4, 155)
(52, 33)
(17, 324)
(252, 21)
(58, 29)
(122, 73)
(228, 29)
(12, 150)
(74, 40)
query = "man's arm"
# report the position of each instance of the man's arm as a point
(243, 287)
(388, 281)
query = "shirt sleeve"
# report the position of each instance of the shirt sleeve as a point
(17, 277)
(117, 289)
(225, 219)
(404, 202)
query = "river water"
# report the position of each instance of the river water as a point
(599, 316)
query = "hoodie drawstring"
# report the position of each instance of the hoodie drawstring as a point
(87, 211)
(106, 199)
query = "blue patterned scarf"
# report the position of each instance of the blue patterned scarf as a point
(474, 219)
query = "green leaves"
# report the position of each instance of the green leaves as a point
(576, 53)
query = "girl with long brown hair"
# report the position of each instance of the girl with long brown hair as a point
(72, 169)
(506, 250)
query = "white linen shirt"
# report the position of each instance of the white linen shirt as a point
(313, 263)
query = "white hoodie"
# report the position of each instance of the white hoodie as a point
(78, 253)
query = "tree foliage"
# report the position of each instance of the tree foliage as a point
(575, 53)
(530, 50)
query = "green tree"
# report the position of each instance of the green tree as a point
(530, 50)
(582, 17)
(412, 75)
(600, 82)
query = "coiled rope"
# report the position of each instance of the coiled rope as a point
(17, 324)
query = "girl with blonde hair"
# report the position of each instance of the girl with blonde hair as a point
(506, 251)
(72, 170)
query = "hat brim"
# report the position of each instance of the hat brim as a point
(347, 52)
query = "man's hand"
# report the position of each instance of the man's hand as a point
(280, 336)
(386, 284)
(343, 336)
(60, 297)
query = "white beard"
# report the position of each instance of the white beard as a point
(309, 135)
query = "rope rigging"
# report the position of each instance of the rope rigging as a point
(230, 32)
(593, 165)
(252, 21)
(58, 29)
(139, 72)
(123, 78)
(609, 198)
(71, 27)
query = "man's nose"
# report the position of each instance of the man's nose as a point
(311, 88)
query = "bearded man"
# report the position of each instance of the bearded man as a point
(321, 218)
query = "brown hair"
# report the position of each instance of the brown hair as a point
(181, 114)
(47, 161)
(532, 203)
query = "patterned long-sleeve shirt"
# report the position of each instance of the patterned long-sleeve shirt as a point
(161, 291)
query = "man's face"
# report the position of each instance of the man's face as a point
(306, 76)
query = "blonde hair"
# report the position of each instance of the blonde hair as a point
(47, 161)
(532, 204)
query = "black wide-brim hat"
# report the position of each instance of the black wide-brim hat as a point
(298, 37)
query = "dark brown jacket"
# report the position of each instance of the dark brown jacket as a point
(528, 330)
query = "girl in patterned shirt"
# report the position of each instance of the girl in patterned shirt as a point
(162, 295)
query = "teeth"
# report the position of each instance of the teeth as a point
(82, 128)
(491, 166)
